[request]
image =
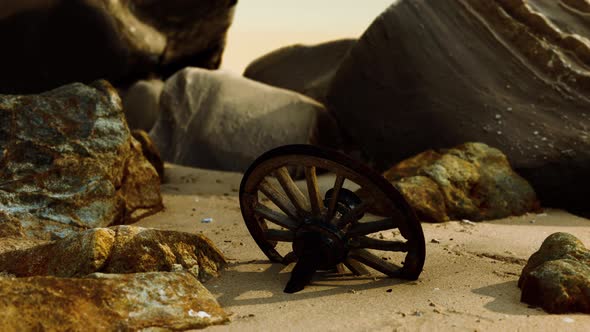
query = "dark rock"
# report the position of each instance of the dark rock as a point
(509, 73)
(108, 302)
(121, 249)
(308, 70)
(471, 181)
(557, 277)
(68, 162)
(51, 43)
(150, 151)
(141, 104)
(213, 119)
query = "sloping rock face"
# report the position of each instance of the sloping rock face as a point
(107, 302)
(217, 120)
(308, 70)
(51, 43)
(509, 73)
(471, 181)
(121, 249)
(68, 162)
(557, 277)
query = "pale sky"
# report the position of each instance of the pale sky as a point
(261, 26)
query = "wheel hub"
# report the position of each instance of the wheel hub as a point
(320, 241)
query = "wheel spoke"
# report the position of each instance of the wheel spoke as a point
(375, 262)
(289, 258)
(279, 235)
(356, 267)
(369, 243)
(278, 198)
(292, 191)
(335, 193)
(365, 228)
(276, 217)
(354, 214)
(317, 204)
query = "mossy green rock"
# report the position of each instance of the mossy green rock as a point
(557, 277)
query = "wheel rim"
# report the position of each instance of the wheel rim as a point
(277, 210)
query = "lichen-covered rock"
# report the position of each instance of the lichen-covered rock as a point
(68, 162)
(471, 181)
(121, 249)
(308, 70)
(216, 120)
(557, 276)
(513, 74)
(141, 103)
(107, 302)
(49, 43)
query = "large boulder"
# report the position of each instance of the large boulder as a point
(557, 276)
(308, 70)
(509, 73)
(121, 249)
(470, 181)
(50, 43)
(213, 119)
(108, 302)
(68, 162)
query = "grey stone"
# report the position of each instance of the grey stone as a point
(141, 103)
(213, 119)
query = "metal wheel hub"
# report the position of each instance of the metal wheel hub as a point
(322, 242)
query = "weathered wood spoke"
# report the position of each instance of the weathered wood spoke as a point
(278, 198)
(315, 198)
(370, 243)
(289, 258)
(279, 235)
(354, 214)
(334, 199)
(356, 267)
(292, 191)
(276, 217)
(375, 262)
(366, 228)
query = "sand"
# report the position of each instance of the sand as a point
(469, 281)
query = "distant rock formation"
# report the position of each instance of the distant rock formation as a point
(512, 74)
(51, 43)
(308, 70)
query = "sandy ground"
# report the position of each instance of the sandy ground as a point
(469, 279)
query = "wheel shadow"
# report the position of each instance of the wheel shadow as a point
(242, 288)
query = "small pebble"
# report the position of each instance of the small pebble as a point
(389, 290)
(207, 220)
(435, 241)
(568, 320)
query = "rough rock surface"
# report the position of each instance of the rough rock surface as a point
(54, 42)
(150, 151)
(68, 162)
(557, 277)
(471, 181)
(121, 249)
(216, 120)
(107, 302)
(141, 103)
(308, 70)
(509, 73)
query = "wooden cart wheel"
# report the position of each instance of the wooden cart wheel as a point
(326, 229)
